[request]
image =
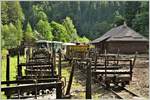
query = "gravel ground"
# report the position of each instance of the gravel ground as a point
(139, 84)
(140, 80)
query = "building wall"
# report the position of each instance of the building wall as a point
(127, 47)
(99, 47)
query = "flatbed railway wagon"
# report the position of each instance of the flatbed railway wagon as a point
(39, 77)
(51, 46)
(114, 71)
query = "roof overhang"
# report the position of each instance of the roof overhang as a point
(99, 40)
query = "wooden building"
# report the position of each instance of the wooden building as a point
(121, 38)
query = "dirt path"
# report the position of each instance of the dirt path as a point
(140, 80)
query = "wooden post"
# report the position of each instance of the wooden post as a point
(105, 69)
(59, 66)
(132, 64)
(105, 52)
(19, 67)
(131, 69)
(89, 53)
(70, 79)
(18, 57)
(118, 56)
(134, 59)
(7, 93)
(19, 72)
(52, 65)
(18, 92)
(95, 63)
(53, 62)
(59, 91)
(8, 69)
(27, 54)
(105, 56)
(88, 81)
(54, 59)
(35, 89)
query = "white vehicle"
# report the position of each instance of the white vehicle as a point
(50, 45)
(65, 45)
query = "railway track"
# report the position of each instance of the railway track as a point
(119, 92)
(122, 93)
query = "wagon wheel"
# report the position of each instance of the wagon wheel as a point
(107, 85)
(123, 84)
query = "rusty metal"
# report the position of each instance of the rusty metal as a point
(111, 70)
(117, 96)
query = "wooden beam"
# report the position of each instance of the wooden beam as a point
(8, 69)
(19, 72)
(54, 59)
(110, 72)
(59, 91)
(70, 79)
(95, 63)
(34, 64)
(29, 81)
(33, 87)
(59, 66)
(31, 76)
(30, 87)
(88, 81)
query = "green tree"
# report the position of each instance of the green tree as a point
(83, 39)
(99, 28)
(118, 19)
(11, 12)
(5, 33)
(4, 15)
(60, 32)
(12, 38)
(85, 15)
(140, 22)
(44, 28)
(37, 15)
(9, 36)
(70, 29)
(131, 9)
(19, 33)
(12, 16)
(28, 35)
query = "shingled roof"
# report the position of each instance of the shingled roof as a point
(120, 33)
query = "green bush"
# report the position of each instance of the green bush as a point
(4, 53)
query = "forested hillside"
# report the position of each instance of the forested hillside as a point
(69, 21)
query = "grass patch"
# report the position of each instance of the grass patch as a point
(13, 67)
(77, 89)
(13, 70)
(75, 85)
